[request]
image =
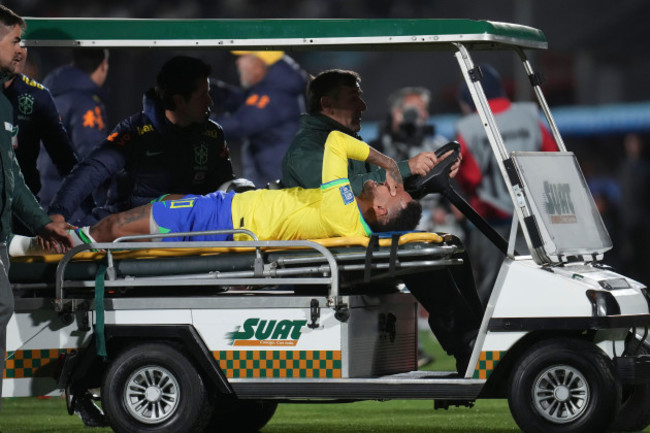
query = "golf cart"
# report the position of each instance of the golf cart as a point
(211, 336)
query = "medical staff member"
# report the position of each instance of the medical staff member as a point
(15, 197)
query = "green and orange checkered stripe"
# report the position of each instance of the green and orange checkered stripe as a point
(280, 363)
(487, 361)
(31, 363)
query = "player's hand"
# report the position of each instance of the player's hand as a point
(54, 236)
(453, 170)
(393, 178)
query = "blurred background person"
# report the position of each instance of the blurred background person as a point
(403, 135)
(635, 208)
(263, 113)
(480, 178)
(405, 132)
(37, 120)
(81, 100)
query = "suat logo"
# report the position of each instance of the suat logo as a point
(558, 203)
(257, 332)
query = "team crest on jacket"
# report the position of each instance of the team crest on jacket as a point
(201, 154)
(26, 104)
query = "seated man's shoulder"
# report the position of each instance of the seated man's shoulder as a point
(213, 131)
(133, 129)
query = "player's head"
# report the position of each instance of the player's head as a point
(385, 212)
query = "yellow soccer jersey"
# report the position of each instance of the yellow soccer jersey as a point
(299, 213)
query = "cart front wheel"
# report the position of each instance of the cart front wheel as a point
(565, 385)
(154, 388)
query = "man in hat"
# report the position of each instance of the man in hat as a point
(263, 113)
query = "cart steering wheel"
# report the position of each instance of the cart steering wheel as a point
(437, 179)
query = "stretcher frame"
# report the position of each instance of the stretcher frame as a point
(314, 265)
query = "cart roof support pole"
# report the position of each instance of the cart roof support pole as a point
(541, 100)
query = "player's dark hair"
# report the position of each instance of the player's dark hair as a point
(407, 219)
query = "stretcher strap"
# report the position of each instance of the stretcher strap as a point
(100, 338)
(393, 253)
(373, 243)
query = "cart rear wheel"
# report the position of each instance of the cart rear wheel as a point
(154, 388)
(565, 385)
(241, 416)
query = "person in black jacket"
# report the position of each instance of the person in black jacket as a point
(37, 120)
(170, 147)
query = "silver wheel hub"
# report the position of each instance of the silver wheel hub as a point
(560, 394)
(151, 394)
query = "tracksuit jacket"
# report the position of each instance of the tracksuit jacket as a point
(303, 162)
(15, 198)
(37, 119)
(150, 157)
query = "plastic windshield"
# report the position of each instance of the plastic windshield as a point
(563, 209)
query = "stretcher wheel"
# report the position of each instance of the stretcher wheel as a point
(563, 386)
(153, 387)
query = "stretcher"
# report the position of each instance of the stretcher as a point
(133, 267)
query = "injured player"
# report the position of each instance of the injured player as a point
(289, 214)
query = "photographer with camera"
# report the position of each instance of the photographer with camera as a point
(403, 135)
(405, 132)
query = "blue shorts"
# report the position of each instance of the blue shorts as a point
(195, 213)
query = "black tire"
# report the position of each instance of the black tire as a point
(153, 387)
(240, 416)
(634, 414)
(564, 385)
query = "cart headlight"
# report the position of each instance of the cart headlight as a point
(603, 303)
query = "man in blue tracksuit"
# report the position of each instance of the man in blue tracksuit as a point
(37, 120)
(78, 94)
(264, 112)
(170, 147)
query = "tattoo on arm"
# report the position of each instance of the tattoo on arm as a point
(133, 215)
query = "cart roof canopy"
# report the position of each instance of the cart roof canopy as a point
(354, 34)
